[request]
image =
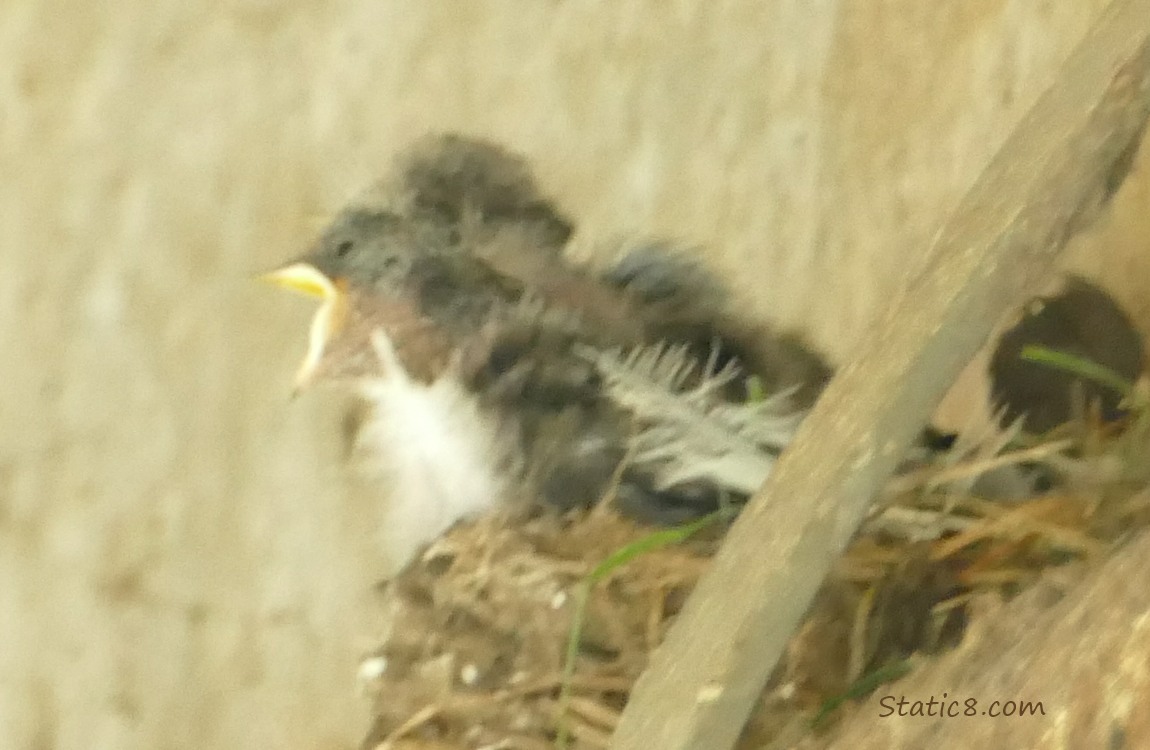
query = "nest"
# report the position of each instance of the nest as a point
(477, 653)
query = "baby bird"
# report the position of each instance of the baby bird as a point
(1081, 320)
(495, 372)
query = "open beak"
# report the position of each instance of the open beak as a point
(306, 279)
(302, 278)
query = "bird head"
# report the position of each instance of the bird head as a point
(373, 270)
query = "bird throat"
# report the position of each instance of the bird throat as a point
(340, 346)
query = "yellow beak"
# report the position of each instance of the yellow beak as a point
(306, 279)
(302, 278)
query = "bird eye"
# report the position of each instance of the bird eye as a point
(344, 248)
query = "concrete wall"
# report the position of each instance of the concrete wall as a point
(182, 561)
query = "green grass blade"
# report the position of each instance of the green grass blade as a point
(756, 391)
(862, 687)
(614, 561)
(1076, 365)
(653, 541)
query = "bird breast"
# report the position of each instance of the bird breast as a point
(439, 452)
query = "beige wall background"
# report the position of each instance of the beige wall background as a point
(183, 563)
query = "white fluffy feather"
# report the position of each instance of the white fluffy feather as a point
(688, 433)
(436, 449)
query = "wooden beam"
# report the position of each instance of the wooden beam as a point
(1060, 165)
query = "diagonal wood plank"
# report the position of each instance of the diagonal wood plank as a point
(1059, 167)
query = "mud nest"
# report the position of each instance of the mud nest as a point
(476, 653)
